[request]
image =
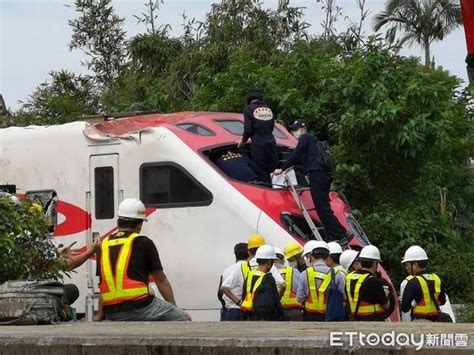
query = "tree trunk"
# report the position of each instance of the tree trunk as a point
(427, 54)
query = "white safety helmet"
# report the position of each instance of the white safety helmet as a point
(415, 253)
(132, 208)
(370, 252)
(309, 246)
(347, 258)
(265, 252)
(334, 248)
(278, 252)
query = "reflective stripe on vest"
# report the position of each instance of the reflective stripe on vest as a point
(253, 281)
(365, 309)
(426, 306)
(118, 288)
(245, 269)
(317, 300)
(288, 301)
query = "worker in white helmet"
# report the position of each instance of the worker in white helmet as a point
(335, 251)
(349, 261)
(366, 294)
(422, 291)
(261, 298)
(125, 261)
(314, 283)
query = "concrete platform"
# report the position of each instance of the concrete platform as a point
(235, 338)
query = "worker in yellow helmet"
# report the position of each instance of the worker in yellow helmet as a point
(292, 308)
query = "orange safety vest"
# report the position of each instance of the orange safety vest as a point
(118, 288)
(426, 307)
(288, 301)
(253, 281)
(317, 300)
(365, 309)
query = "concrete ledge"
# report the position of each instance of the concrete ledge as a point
(228, 337)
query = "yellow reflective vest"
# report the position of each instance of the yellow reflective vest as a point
(317, 299)
(253, 281)
(426, 307)
(365, 309)
(118, 288)
(289, 301)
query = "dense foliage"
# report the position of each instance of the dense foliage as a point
(27, 248)
(402, 133)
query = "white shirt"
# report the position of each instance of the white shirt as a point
(233, 280)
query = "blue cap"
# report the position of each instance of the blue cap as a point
(297, 125)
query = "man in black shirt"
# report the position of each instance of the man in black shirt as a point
(240, 167)
(259, 123)
(365, 290)
(423, 292)
(306, 153)
(125, 262)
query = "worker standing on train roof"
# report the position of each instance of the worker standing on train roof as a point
(423, 292)
(230, 310)
(366, 294)
(125, 261)
(259, 122)
(261, 300)
(233, 285)
(316, 164)
(291, 307)
(314, 283)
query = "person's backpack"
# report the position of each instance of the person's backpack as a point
(324, 156)
(335, 311)
(33, 302)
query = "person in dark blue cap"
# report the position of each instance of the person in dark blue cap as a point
(259, 123)
(308, 155)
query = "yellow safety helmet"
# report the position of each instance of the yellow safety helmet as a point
(292, 249)
(255, 241)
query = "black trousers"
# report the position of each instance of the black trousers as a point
(264, 155)
(320, 184)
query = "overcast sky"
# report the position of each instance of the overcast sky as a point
(34, 37)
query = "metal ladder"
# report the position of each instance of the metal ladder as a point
(301, 206)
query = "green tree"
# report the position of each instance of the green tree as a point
(421, 22)
(63, 98)
(98, 33)
(27, 248)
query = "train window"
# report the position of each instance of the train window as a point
(104, 192)
(167, 185)
(196, 129)
(237, 128)
(46, 201)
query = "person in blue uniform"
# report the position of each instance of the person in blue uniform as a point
(239, 167)
(306, 154)
(259, 122)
